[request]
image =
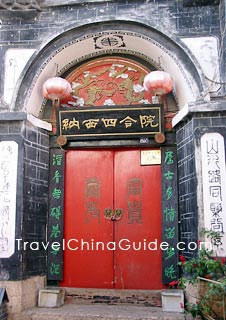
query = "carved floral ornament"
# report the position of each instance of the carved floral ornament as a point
(117, 82)
(109, 82)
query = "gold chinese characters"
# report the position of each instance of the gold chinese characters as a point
(143, 121)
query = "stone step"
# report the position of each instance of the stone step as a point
(103, 312)
(144, 298)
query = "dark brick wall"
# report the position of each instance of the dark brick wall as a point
(32, 27)
(222, 11)
(187, 185)
(36, 164)
(188, 138)
(32, 199)
(12, 131)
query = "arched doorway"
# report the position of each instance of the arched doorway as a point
(79, 44)
(112, 201)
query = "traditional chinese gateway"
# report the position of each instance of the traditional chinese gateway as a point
(103, 168)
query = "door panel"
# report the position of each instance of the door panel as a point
(112, 179)
(89, 189)
(138, 194)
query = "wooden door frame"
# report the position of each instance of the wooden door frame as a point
(170, 269)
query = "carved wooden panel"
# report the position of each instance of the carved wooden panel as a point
(109, 81)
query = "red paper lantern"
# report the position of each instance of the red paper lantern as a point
(158, 82)
(56, 88)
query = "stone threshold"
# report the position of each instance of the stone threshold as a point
(145, 298)
(104, 312)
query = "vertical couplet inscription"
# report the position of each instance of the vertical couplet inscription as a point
(169, 215)
(214, 185)
(56, 202)
(8, 185)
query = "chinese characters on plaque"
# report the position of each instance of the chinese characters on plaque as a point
(170, 269)
(123, 122)
(56, 210)
(8, 185)
(214, 185)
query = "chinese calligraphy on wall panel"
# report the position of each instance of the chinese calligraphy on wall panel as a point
(55, 226)
(8, 185)
(214, 185)
(170, 269)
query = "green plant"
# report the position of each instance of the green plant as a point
(208, 272)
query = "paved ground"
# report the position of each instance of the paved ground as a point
(104, 312)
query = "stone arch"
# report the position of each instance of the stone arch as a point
(106, 38)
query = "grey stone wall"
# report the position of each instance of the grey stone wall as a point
(187, 185)
(32, 196)
(189, 173)
(36, 165)
(170, 16)
(222, 11)
(11, 268)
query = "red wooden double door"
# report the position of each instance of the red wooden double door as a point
(112, 220)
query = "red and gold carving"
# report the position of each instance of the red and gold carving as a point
(110, 81)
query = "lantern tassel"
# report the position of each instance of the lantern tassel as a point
(56, 104)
